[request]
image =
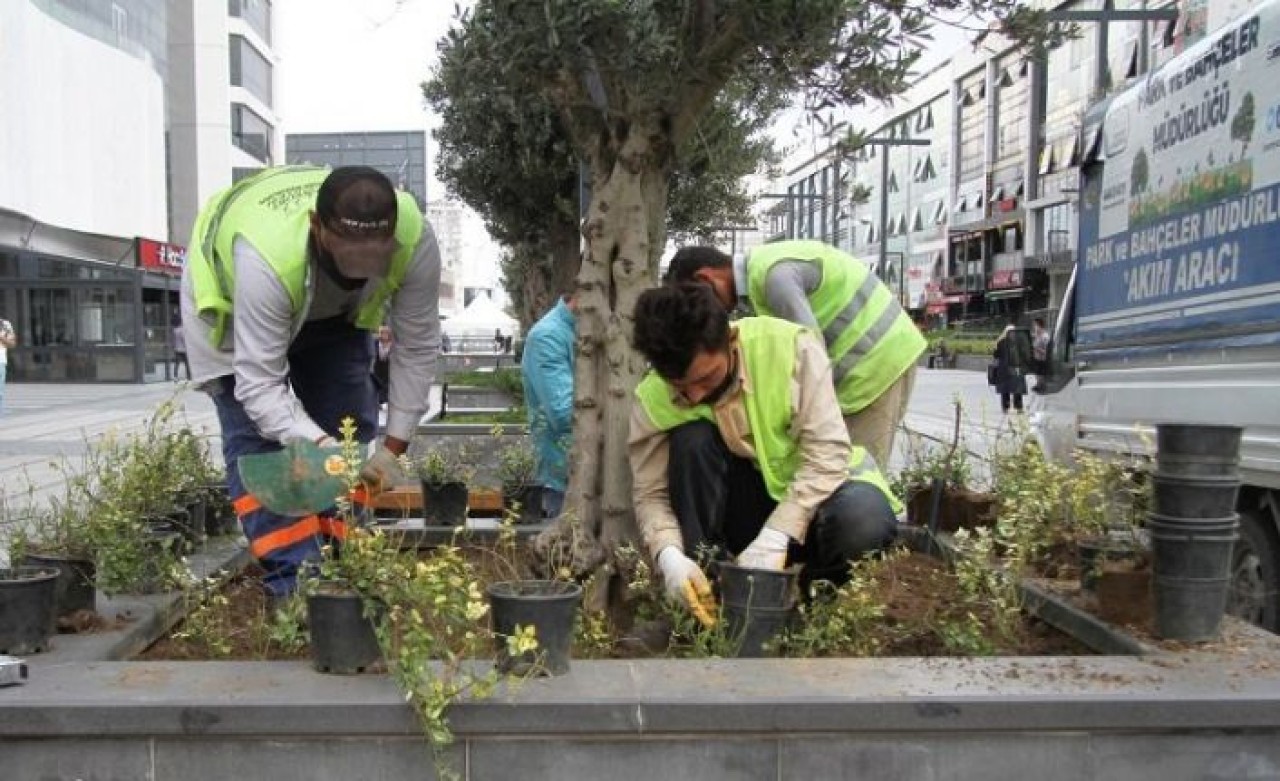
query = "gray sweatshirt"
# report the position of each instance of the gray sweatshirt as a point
(264, 327)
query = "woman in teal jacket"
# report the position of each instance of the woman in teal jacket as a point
(547, 371)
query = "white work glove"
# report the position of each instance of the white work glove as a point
(382, 471)
(686, 583)
(767, 551)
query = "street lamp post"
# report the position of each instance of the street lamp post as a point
(1104, 16)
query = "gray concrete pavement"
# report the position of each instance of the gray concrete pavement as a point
(44, 424)
(931, 415)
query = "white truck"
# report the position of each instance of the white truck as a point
(1173, 310)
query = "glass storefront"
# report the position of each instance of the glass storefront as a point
(79, 321)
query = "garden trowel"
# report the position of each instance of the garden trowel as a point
(299, 480)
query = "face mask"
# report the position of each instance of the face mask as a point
(362, 258)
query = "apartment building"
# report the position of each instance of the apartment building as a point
(976, 219)
(118, 118)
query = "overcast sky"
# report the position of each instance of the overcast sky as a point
(358, 64)
(350, 65)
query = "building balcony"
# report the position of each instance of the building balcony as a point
(1007, 261)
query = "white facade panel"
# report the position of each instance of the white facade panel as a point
(82, 140)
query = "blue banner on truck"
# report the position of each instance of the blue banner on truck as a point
(1180, 223)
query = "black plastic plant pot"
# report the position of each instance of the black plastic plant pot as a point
(219, 517)
(343, 641)
(747, 587)
(1094, 552)
(1195, 497)
(27, 599)
(76, 576)
(1188, 450)
(163, 543)
(179, 521)
(752, 629)
(525, 502)
(444, 504)
(550, 607)
(196, 505)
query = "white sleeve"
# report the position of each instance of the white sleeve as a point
(263, 331)
(415, 326)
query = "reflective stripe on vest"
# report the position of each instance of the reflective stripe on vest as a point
(765, 342)
(869, 337)
(867, 342)
(271, 210)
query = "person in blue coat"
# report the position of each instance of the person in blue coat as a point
(547, 371)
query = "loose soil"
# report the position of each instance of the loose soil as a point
(917, 591)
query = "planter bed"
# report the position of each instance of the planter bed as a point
(1200, 713)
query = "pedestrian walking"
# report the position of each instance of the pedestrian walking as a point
(180, 351)
(1011, 356)
(289, 271)
(8, 338)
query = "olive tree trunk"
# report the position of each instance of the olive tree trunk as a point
(625, 233)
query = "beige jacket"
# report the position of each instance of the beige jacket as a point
(816, 424)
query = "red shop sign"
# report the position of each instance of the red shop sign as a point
(161, 256)
(1005, 278)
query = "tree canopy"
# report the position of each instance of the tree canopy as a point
(505, 152)
(634, 85)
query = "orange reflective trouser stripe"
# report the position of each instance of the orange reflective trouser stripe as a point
(245, 505)
(302, 529)
(248, 503)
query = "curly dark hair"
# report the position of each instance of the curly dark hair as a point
(690, 260)
(674, 323)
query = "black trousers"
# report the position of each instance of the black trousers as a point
(721, 502)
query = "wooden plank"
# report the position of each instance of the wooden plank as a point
(408, 498)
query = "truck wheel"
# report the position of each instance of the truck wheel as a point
(1255, 572)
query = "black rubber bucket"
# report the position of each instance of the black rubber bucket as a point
(1190, 609)
(75, 590)
(757, 605)
(1227, 524)
(525, 502)
(1195, 497)
(550, 607)
(1192, 580)
(444, 505)
(343, 641)
(1188, 450)
(27, 599)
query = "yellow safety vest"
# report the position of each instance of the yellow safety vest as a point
(769, 356)
(272, 210)
(870, 339)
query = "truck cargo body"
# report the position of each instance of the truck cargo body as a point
(1173, 311)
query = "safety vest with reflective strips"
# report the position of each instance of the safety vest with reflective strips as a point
(769, 355)
(272, 210)
(870, 339)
